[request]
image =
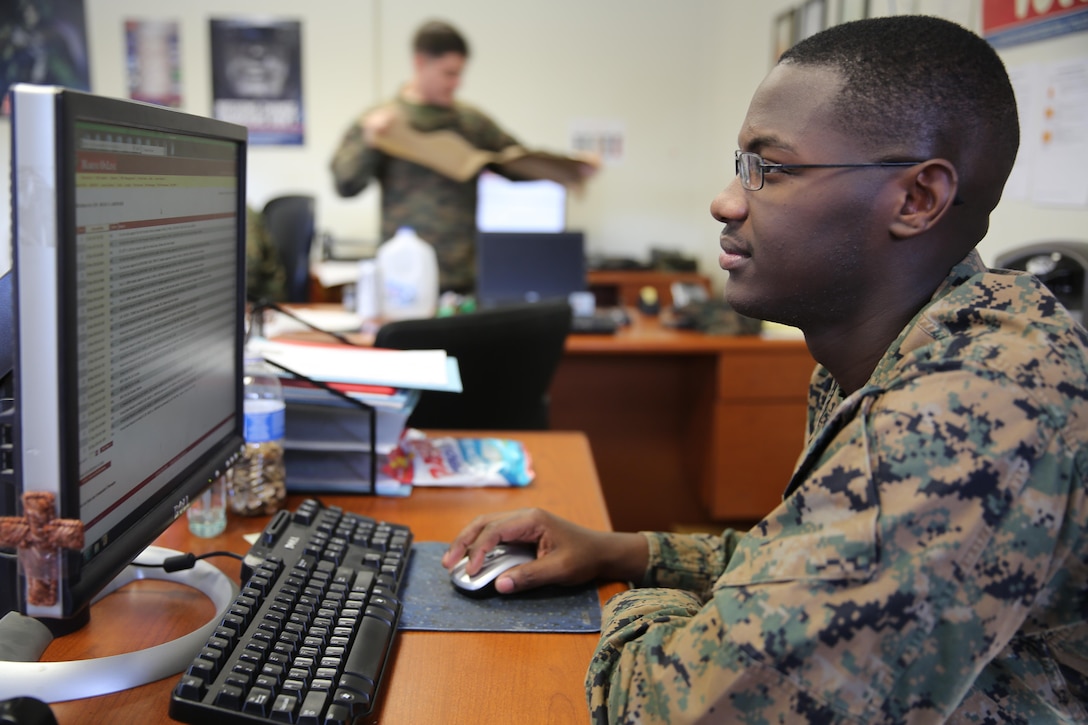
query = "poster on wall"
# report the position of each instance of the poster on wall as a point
(44, 42)
(153, 61)
(257, 78)
(1014, 22)
(606, 138)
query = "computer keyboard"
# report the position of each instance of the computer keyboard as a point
(308, 637)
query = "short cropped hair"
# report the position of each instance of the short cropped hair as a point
(435, 38)
(916, 80)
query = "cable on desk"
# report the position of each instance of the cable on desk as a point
(186, 561)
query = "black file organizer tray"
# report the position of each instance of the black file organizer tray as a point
(372, 473)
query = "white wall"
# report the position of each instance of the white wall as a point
(677, 75)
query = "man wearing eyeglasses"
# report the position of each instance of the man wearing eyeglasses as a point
(929, 561)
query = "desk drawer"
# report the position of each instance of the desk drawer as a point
(779, 374)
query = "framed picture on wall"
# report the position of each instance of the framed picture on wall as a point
(784, 34)
(813, 18)
(257, 77)
(153, 60)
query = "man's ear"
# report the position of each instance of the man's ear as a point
(929, 190)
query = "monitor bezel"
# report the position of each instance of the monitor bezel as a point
(54, 142)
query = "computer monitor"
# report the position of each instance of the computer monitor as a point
(124, 327)
(528, 267)
(503, 205)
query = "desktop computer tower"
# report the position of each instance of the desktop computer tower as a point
(1061, 266)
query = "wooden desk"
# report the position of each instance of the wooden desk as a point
(686, 428)
(436, 677)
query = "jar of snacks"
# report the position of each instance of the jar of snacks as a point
(258, 481)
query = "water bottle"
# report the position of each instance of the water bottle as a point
(408, 275)
(258, 482)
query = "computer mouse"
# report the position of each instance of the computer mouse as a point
(501, 558)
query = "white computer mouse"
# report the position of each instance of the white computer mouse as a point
(501, 558)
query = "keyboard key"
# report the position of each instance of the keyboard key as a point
(337, 715)
(202, 669)
(313, 708)
(283, 709)
(229, 696)
(356, 702)
(358, 685)
(190, 687)
(258, 702)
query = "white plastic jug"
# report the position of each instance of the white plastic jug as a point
(408, 275)
(367, 293)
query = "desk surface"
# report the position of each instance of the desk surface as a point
(647, 335)
(437, 677)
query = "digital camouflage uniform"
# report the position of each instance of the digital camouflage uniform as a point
(266, 277)
(930, 560)
(440, 210)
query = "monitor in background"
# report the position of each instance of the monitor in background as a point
(528, 267)
(126, 314)
(503, 205)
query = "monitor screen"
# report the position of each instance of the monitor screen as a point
(525, 267)
(127, 311)
(503, 205)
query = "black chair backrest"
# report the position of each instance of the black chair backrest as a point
(507, 357)
(290, 223)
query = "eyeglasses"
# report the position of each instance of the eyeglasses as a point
(751, 168)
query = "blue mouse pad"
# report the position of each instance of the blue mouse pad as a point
(432, 603)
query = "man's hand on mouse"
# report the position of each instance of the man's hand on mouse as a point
(567, 553)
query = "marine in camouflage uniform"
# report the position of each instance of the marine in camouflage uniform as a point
(929, 561)
(441, 210)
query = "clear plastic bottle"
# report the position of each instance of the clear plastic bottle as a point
(258, 482)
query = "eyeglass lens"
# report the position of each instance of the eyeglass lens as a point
(750, 170)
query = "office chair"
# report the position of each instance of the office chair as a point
(290, 223)
(507, 357)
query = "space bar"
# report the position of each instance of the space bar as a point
(368, 652)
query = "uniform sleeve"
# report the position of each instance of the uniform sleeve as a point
(483, 132)
(354, 163)
(687, 561)
(879, 589)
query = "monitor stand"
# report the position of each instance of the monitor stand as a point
(77, 679)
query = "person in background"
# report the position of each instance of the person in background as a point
(266, 277)
(441, 210)
(929, 560)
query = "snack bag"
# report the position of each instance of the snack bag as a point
(421, 461)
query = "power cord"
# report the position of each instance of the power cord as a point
(187, 561)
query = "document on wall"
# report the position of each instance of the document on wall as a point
(1062, 152)
(413, 369)
(1052, 99)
